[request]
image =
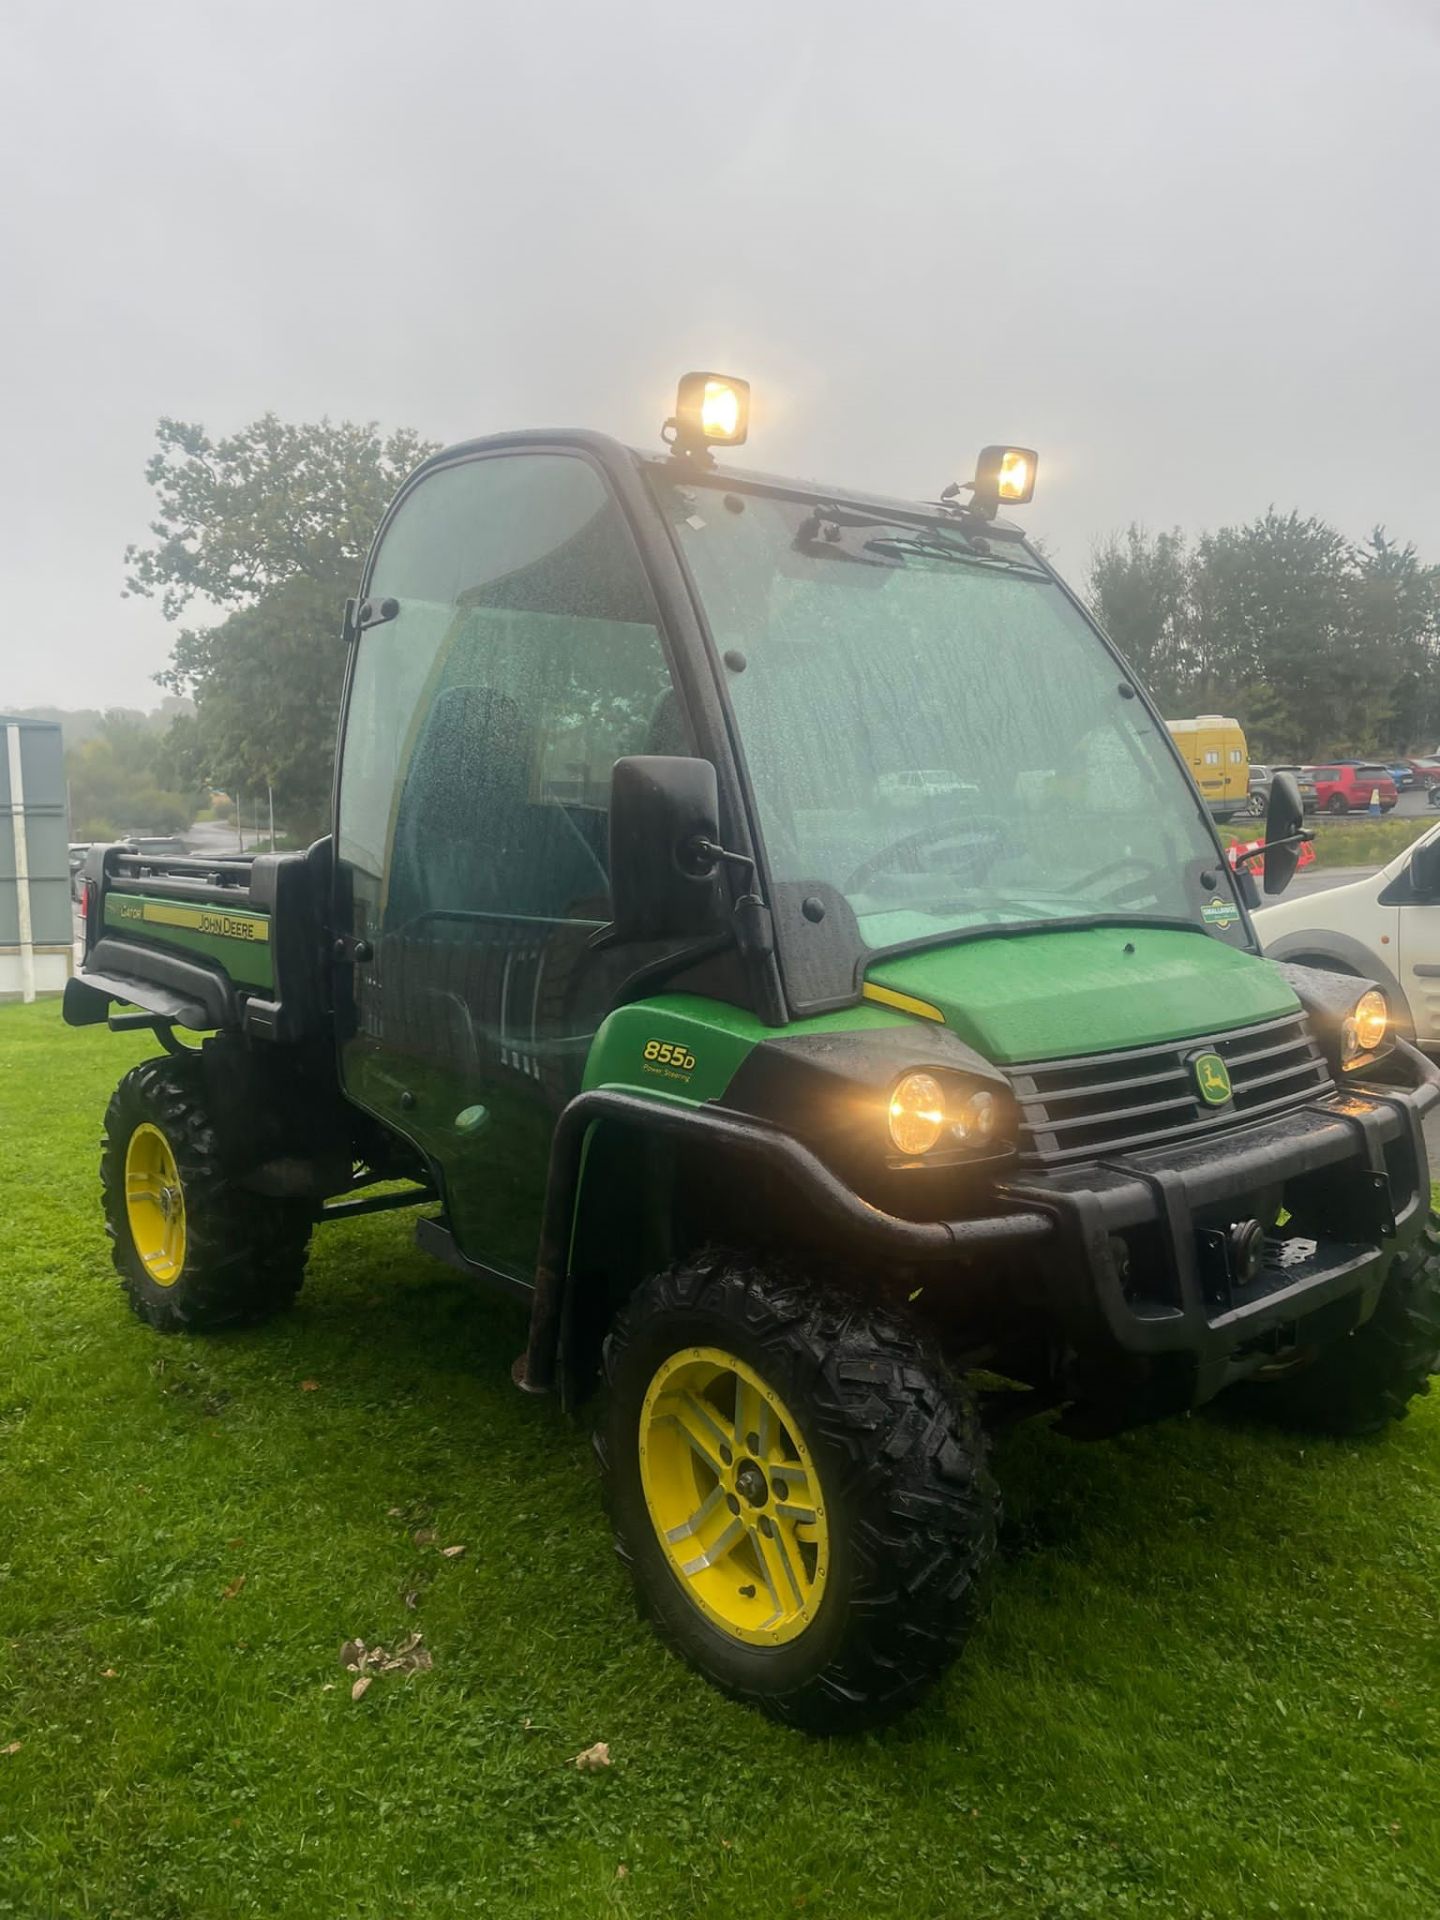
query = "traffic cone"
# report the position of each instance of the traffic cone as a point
(1374, 808)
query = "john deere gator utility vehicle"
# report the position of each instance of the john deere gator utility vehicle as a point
(768, 929)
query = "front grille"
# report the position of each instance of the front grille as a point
(1112, 1102)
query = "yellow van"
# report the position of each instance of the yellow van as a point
(1214, 749)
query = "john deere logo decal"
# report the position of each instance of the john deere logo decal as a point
(1212, 1078)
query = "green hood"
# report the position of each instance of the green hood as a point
(1044, 996)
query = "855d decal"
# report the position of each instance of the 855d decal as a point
(669, 1059)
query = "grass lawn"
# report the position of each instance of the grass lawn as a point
(1208, 1682)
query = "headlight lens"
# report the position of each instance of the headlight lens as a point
(1365, 1027)
(921, 1114)
(917, 1113)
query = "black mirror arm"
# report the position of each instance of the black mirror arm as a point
(705, 853)
(1290, 840)
(754, 930)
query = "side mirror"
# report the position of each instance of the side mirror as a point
(1425, 871)
(1284, 817)
(661, 888)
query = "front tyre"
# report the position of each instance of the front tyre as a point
(1362, 1383)
(192, 1250)
(799, 1490)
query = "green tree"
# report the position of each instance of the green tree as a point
(1318, 646)
(1396, 610)
(121, 783)
(269, 527)
(1140, 588)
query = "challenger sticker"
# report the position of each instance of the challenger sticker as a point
(1219, 913)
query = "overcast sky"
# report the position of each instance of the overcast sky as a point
(1191, 252)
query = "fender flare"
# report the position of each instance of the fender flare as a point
(1350, 954)
(870, 1230)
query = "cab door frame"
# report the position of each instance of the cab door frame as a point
(689, 657)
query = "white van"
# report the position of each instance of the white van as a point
(1385, 928)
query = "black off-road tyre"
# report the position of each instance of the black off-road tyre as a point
(1367, 1380)
(244, 1253)
(902, 1460)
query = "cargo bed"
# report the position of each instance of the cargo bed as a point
(232, 943)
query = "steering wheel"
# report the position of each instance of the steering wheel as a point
(982, 837)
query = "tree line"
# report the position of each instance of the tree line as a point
(1320, 646)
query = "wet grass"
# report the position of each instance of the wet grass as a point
(1207, 1683)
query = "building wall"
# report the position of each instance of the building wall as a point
(42, 767)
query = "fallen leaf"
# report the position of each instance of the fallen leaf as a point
(14, 1747)
(452, 1553)
(622, 1872)
(360, 1686)
(234, 1545)
(309, 1386)
(412, 1601)
(329, 1687)
(109, 1673)
(234, 1587)
(352, 1653)
(593, 1758)
(425, 1537)
(393, 1513)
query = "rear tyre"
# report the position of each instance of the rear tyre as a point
(192, 1250)
(1366, 1381)
(798, 1488)
(1256, 806)
(1337, 803)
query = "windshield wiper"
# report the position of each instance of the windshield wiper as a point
(939, 548)
(824, 530)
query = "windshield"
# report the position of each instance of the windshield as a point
(941, 738)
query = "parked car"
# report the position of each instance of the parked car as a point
(77, 851)
(1402, 773)
(1346, 786)
(162, 846)
(1426, 772)
(1260, 779)
(1385, 928)
(918, 786)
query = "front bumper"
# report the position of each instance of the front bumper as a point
(1140, 1273)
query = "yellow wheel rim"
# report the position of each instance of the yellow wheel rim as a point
(155, 1204)
(733, 1495)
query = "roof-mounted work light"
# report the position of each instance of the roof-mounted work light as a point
(1004, 476)
(711, 410)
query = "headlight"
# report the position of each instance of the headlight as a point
(921, 1114)
(917, 1113)
(1365, 1027)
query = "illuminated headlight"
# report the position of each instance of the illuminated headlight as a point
(1365, 1027)
(917, 1113)
(922, 1115)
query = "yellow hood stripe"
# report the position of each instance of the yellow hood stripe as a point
(903, 1002)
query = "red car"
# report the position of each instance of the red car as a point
(1346, 787)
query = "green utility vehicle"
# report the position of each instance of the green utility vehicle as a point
(768, 930)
